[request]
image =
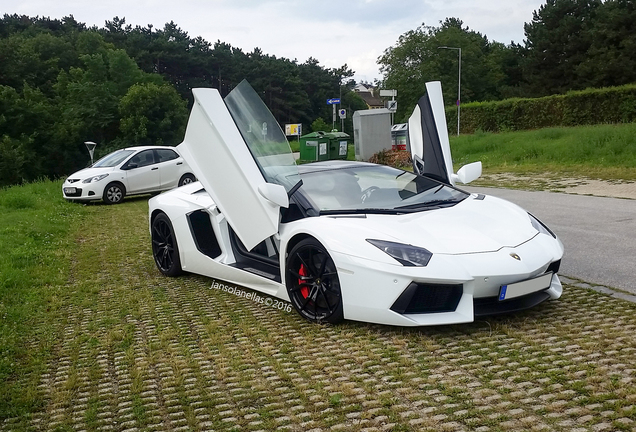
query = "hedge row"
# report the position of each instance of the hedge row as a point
(576, 108)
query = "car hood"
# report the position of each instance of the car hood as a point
(477, 224)
(90, 172)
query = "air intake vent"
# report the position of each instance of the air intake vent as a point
(428, 298)
(554, 267)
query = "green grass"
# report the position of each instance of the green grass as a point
(36, 235)
(107, 342)
(295, 146)
(604, 151)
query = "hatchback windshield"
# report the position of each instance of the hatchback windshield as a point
(113, 159)
(376, 188)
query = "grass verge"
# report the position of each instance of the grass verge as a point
(37, 229)
(606, 152)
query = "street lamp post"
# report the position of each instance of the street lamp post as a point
(90, 145)
(459, 81)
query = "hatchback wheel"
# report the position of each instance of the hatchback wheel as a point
(114, 193)
(186, 179)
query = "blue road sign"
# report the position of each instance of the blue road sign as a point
(333, 101)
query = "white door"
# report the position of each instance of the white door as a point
(142, 173)
(428, 136)
(239, 153)
(170, 167)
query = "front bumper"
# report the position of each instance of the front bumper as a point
(82, 191)
(451, 289)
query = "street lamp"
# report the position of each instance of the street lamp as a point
(459, 81)
(90, 145)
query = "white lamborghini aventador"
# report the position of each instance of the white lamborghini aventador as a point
(348, 240)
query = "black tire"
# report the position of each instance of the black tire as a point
(114, 193)
(186, 179)
(164, 246)
(312, 283)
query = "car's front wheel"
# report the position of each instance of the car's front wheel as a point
(164, 246)
(312, 282)
(114, 193)
(186, 179)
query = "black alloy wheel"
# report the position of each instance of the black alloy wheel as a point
(164, 246)
(312, 283)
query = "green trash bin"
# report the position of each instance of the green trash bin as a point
(320, 146)
(338, 145)
(314, 146)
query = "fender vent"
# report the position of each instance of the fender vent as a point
(203, 233)
(428, 298)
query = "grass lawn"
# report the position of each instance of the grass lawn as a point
(94, 338)
(606, 152)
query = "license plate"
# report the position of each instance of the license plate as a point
(70, 190)
(510, 291)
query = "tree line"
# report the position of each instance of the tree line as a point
(62, 83)
(568, 45)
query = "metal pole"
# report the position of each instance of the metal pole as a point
(459, 88)
(340, 105)
(459, 82)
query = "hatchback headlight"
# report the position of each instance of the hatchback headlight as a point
(95, 178)
(406, 255)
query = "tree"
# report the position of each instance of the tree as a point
(611, 57)
(557, 42)
(152, 114)
(416, 59)
(320, 125)
(62, 84)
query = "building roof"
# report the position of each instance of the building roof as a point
(371, 100)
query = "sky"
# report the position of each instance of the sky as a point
(334, 32)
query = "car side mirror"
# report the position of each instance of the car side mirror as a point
(469, 173)
(131, 166)
(276, 194)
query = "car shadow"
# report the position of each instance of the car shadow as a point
(134, 198)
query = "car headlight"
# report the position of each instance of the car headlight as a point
(540, 226)
(95, 179)
(406, 255)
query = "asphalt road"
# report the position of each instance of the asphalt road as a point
(599, 234)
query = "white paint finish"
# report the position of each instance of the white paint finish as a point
(138, 180)
(371, 281)
(435, 96)
(217, 153)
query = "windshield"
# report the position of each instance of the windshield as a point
(113, 159)
(263, 136)
(376, 188)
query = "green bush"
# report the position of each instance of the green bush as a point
(576, 108)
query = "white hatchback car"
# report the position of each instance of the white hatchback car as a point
(129, 171)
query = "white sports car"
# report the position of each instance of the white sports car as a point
(348, 240)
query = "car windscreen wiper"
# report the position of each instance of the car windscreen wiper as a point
(363, 211)
(432, 203)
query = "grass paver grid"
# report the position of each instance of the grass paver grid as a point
(137, 351)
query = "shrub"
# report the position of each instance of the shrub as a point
(394, 158)
(576, 108)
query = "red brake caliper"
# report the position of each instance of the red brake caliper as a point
(304, 291)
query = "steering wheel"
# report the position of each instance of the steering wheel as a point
(368, 192)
